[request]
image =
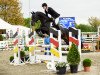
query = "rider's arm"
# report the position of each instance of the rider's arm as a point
(46, 13)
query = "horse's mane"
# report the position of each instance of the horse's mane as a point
(41, 14)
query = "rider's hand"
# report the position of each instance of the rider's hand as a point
(50, 19)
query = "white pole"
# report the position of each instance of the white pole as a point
(59, 48)
(79, 48)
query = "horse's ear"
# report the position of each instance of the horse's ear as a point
(32, 12)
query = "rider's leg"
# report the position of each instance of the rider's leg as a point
(55, 21)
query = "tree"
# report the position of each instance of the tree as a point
(85, 28)
(27, 22)
(94, 22)
(10, 11)
(73, 56)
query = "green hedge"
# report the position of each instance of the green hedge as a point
(1, 38)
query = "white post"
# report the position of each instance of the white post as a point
(70, 35)
(98, 31)
(35, 38)
(51, 36)
(18, 49)
(19, 56)
(93, 48)
(79, 48)
(15, 59)
(59, 48)
(52, 60)
(30, 54)
(35, 47)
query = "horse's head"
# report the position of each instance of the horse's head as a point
(45, 25)
(34, 18)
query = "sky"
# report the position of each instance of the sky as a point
(80, 9)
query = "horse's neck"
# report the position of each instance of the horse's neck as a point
(42, 15)
(42, 19)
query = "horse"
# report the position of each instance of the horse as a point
(45, 25)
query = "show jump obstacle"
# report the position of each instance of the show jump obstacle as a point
(55, 48)
(17, 48)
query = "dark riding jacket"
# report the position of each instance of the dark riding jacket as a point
(52, 12)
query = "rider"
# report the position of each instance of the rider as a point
(47, 42)
(50, 11)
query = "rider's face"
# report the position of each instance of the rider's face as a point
(44, 7)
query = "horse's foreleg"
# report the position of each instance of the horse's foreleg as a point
(33, 28)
